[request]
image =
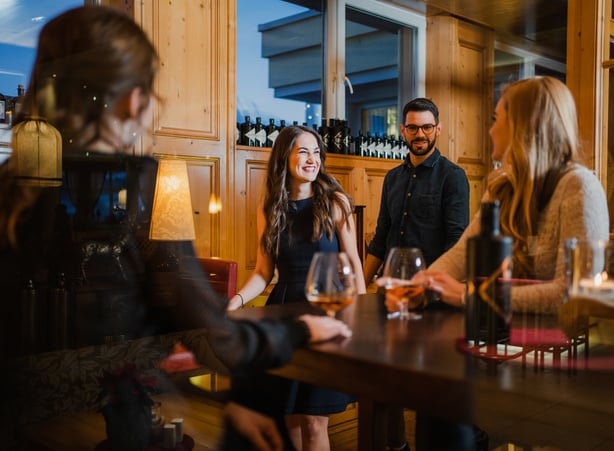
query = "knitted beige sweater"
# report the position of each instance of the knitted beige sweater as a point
(578, 208)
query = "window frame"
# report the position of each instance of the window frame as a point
(334, 78)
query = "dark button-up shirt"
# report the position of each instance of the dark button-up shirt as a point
(425, 206)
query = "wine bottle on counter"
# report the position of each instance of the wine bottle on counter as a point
(347, 138)
(259, 133)
(271, 133)
(337, 135)
(324, 132)
(359, 144)
(395, 148)
(489, 270)
(378, 146)
(248, 134)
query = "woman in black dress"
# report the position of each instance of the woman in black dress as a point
(305, 210)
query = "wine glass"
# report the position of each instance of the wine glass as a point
(402, 279)
(331, 282)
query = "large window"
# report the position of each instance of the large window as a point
(306, 61)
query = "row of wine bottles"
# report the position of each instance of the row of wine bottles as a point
(9, 106)
(336, 136)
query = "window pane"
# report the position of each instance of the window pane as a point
(379, 64)
(508, 68)
(279, 61)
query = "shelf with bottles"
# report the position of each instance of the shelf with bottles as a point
(335, 134)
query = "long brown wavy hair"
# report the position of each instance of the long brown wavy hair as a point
(543, 127)
(87, 59)
(327, 192)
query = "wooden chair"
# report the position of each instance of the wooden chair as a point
(222, 275)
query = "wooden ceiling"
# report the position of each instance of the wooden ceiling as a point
(541, 23)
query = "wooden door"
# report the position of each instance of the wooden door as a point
(459, 76)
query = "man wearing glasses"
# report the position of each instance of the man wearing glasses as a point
(424, 204)
(425, 200)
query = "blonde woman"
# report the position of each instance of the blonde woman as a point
(546, 194)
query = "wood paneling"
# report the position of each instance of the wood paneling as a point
(459, 78)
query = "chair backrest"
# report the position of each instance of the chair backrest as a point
(222, 275)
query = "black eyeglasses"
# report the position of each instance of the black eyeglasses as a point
(426, 128)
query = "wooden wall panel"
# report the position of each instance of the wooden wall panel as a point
(189, 45)
(251, 166)
(459, 79)
(373, 195)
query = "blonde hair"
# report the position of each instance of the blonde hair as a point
(543, 126)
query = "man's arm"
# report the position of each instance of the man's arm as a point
(370, 268)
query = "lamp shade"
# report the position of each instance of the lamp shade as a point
(171, 218)
(37, 153)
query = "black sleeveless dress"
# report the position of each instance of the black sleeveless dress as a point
(295, 253)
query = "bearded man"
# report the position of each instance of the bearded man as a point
(424, 204)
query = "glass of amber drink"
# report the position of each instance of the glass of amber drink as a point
(331, 282)
(403, 280)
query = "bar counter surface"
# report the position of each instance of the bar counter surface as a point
(526, 396)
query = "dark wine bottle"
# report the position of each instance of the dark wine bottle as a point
(260, 133)
(31, 319)
(370, 141)
(248, 135)
(324, 132)
(386, 146)
(378, 146)
(489, 270)
(59, 311)
(337, 136)
(271, 133)
(347, 138)
(395, 151)
(358, 141)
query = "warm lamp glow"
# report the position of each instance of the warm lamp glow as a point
(215, 204)
(171, 218)
(37, 153)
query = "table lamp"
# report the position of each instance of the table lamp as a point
(37, 153)
(171, 218)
